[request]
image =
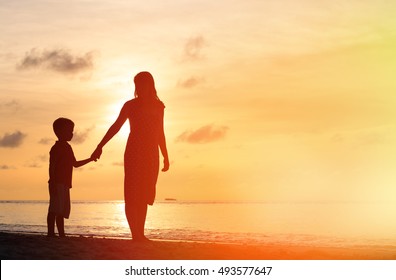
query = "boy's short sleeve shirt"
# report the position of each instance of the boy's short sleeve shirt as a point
(61, 164)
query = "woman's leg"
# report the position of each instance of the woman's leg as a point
(141, 219)
(130, 215)
(136, 213)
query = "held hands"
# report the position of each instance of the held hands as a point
(166, 165)
(96, 154)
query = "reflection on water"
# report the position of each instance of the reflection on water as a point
(324, 223)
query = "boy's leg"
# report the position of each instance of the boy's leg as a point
(51, 211)
(60, 226)
(50, 224)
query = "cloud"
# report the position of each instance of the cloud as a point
(57, 60)
(372, 136)
(190, 82)
(37, 161)
(193, 49)
(11, 106)
(6, 167)
(205, 134)
(33, 165)
(12, 140)
(80, 137)
(45, 141)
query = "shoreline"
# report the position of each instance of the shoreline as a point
(24, 246)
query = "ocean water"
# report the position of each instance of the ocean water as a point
(324, 224)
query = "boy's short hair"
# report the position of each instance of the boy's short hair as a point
(60, 124)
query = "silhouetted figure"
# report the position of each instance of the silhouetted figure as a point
(141, 158)
(61, 165)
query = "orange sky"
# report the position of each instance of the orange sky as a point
(265, 100)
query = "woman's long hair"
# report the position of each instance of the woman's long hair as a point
(145, 87)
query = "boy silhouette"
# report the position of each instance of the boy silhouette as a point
(61, 165)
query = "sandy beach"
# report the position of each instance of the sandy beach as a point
(17, 246)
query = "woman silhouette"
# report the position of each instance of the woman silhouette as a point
(141, 159)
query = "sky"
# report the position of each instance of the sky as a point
(265, 100)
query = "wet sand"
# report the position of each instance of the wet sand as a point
(17, 246)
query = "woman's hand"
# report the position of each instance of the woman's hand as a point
(166, 165)
(96, 154)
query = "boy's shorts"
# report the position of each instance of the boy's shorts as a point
(59, 200)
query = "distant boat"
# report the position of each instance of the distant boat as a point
(170, 199)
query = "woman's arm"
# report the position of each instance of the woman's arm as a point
(164, 152)
(114, 128)
(162, 145)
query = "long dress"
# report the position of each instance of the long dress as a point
(141, 158)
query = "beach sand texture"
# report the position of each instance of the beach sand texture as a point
(15, 246)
